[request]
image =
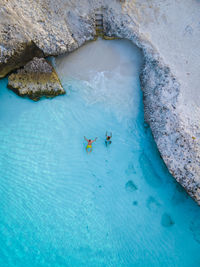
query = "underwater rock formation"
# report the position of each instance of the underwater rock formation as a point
(38, 78)
(152, 204)
(169, 77)
(166, 220)
(130, 186)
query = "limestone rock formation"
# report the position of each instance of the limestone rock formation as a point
(37, 79)
(41, 28)
(18, 57)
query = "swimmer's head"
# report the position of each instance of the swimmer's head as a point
(108, 137)
(89, 140)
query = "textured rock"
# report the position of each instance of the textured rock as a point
(173, 128)
(168, 33)
(38, 78)
(18, 57)
(53, 27)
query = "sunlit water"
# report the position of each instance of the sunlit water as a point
(117, 206)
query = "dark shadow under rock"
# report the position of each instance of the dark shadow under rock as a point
(195, 228)
(21, 54)
(179, 195)
(37, 79)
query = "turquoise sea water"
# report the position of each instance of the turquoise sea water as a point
(117, 206)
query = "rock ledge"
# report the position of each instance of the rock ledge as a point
(37, 79)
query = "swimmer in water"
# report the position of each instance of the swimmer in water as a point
(108, 139)
(89, 145)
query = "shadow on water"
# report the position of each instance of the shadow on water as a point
(179, 195)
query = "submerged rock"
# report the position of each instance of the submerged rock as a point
(135, 203)
(130, 186)
(130, 170)
(37, 79)
(152, 204)
(166, 220)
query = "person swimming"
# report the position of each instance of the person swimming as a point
(108, 139)
(89, 145)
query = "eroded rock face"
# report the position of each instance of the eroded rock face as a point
(50, 27)
(176, 144)
(37, 79)
(173, 131)
(18, 57)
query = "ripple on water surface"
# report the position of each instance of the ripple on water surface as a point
(117, 206)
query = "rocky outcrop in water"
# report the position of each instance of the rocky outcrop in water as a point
(37, 79)
(171, 55)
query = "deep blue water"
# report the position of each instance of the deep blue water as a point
(117, 206)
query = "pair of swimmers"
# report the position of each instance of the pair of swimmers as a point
(89, 145)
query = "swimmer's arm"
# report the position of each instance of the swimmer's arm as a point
(110, 134)
(106, 133)
(94, 140)
(86, 139)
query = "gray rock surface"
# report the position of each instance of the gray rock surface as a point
(168, 32)
(12, 59)
(37, 79)
(55, 27)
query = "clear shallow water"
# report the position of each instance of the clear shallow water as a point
(117, 206)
